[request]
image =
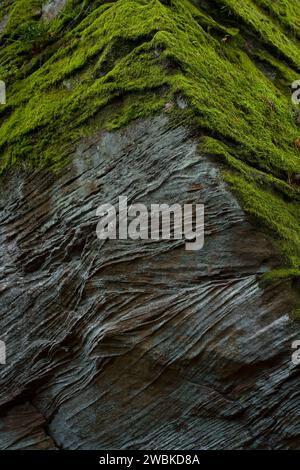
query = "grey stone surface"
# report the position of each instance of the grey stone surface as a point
(52, 8)
(3, 23)
(128, 345)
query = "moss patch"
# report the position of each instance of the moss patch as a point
(103, 64)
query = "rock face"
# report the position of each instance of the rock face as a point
(140, 344)
(3, 23)
(52, 8)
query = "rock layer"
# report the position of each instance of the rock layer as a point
(52, 8)
(133, 345)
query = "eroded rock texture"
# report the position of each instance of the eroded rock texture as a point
(129, 345)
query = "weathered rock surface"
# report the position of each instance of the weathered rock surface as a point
(129, 345)
(51, 9)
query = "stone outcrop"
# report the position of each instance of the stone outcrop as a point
(52, 8)
(124, 344)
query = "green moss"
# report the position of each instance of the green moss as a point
(286, 12)
(20, 13)
(283, 273)
(279, 216)
(270, 31)
(273, 202)
(103, 64)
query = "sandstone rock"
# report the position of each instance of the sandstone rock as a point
(121, 344)
(52, 8)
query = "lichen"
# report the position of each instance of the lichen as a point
(103, 64)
